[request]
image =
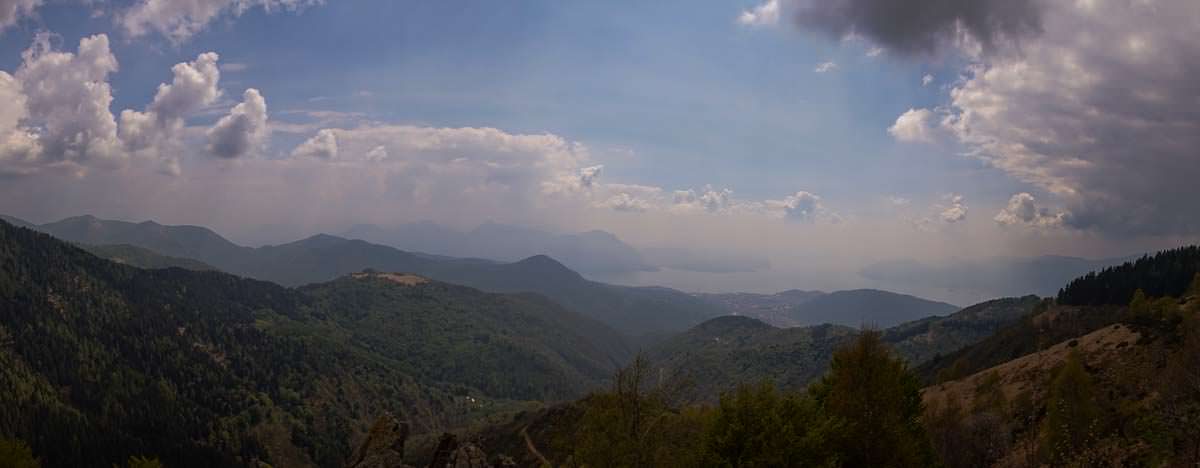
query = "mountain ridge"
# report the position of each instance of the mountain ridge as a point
(323, 257)
(203, 368)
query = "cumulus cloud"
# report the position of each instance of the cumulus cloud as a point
(323, 145)
(802, 206)
(825, 67)
(574, 181)
(467, 166)
(13, 10)
(1100, 112)
(243, 131)
(178, 20)
(956, 210)
(623, 201)
(913, 126)
(194, 86)
(57, 113)
(1022, 209)
(19, 147)
(707, 199)
(922, 26)
(766, 14)
(378, 153)
(926, 80)
(66, 97)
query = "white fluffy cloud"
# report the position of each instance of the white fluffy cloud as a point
(243, 131)
(574, 181)
(766, 14)
(956, 210)
(1022, 209)
(19, 147)
(708, 199)
(323, 145)
(67, 99)
(178, 20)
(802, 206)
(194, 86)
(471, 166)
(1099, 110)
(926, 80)
(13, 10)
(57, 113)
(913, 126)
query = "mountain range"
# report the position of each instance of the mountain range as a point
(633, 310)
(201, 368)
(586, 252)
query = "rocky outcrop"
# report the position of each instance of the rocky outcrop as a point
(452, 454)
(384, 446)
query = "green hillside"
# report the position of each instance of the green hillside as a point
(143, 258)
(516, 346)
(635, 311)
(103, 360)
(724, 352)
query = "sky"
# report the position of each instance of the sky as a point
(823, 136)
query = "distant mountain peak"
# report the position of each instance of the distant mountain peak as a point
(543, 261)
(17, 221)
(731, 322)
(319, 240)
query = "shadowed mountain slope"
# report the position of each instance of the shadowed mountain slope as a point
(721, 353)
(102, 360)
(633, 310)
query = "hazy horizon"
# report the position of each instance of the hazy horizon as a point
(811, 136)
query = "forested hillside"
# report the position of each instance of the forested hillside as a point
(721, 353)
(1125, 393)
(103, 361)
(1167, 273)
(632, 310)
(143, 258)
(1063, 386)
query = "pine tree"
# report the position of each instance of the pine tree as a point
(874, 406)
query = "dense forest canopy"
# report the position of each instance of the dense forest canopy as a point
(1167, 273)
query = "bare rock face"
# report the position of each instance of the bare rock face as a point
(451, 454)
(384, 447)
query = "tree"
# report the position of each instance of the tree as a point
(1072, 416)
(757, 426)
(874, 407)
(636, 424)
(16, 454)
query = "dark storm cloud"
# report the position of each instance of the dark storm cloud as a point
(911, 27)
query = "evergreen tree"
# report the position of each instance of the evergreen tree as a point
(874, 407)
(757, 426)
